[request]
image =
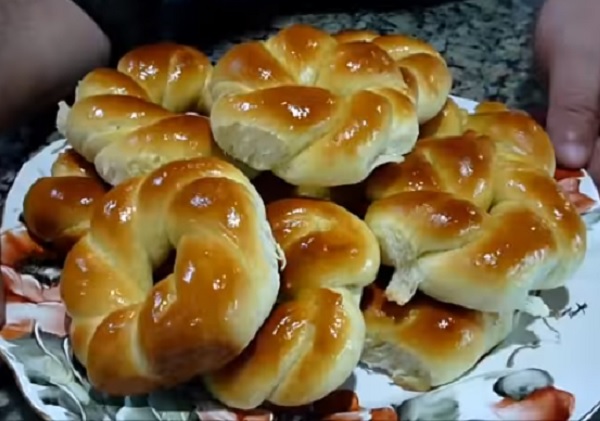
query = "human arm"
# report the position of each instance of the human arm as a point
(45, 47)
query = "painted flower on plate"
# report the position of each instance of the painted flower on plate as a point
(340, 405)
(531, 395)
(28, 301)
(570, 183)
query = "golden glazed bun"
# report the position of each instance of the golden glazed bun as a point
(477, 219)
(134, 335)
(170, 75)
(128, 121)
(426, 343)
(322, 111)
(57, 209)
(312, 340)
(448, 122)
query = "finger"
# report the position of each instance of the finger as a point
(574, 102)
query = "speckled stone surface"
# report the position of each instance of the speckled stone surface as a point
(486, 43)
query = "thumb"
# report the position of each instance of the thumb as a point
(574, 104)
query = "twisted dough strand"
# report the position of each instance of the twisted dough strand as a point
(128, 121)
(57, 209)
(313, 339)
(424, 69)
(134, 336)
(476, 219)
(170, 75)
(321, 112)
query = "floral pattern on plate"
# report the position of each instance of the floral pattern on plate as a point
(30, 297)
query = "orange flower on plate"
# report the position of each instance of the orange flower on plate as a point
(227, 415)
(546, 404)
(343, 405)
(571, 188)
(379, 414)
(561, 174)
(27, 301)
(339, 405)
(570, 183)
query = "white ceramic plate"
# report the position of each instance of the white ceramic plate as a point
(553, 361)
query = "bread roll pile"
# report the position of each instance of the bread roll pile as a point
(264, 298)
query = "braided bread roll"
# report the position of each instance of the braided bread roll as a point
(134, 336)
(170, 75)
(128, 121)
(57, 209)
(312, 341)
(322, 112)
(426, 343)
(477, 220)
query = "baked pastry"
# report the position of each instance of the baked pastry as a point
(56, 209)
(424, 69)
(426, 343)
(312, 340)
(450, 121)
(171, 75)
(322, 111)
(477, 220)
(129, 121)
(134, 336)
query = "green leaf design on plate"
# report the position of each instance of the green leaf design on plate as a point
(48, 364)
(171, 405)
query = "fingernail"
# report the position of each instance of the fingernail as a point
(572, 155)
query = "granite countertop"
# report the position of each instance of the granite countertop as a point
(486, 43)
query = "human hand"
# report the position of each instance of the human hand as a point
(567, 50)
